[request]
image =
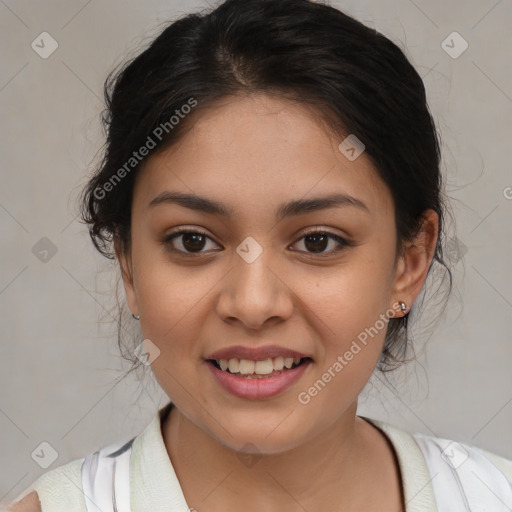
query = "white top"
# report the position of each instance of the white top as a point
(137, 475)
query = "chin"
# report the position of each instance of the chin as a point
(254, 436)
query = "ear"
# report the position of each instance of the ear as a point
(125, 264)
(413, 265)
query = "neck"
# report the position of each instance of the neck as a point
(337, 464)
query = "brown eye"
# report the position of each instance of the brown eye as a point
(316, 242)
(187, 241)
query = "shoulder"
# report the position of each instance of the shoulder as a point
(54, 489)
(451, 472)
(456, 453)
(61, 488)
(462, 473)
(502, 463)
(30, 503)
(448, 451)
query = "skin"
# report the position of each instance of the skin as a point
(254, 153)
(28, 504)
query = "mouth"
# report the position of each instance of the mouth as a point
(258, 380)
(263, 369)
(257, 373)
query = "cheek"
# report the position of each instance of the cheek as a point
(348, 307)
(351, 296)
(169, 296)
(347, 316)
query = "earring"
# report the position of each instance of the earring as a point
(135, 316)
(403, 307)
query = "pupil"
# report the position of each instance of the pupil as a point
(323, 242)
(315, 243)
(192, 241)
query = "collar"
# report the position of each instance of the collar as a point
(155, 487)
(416, 479)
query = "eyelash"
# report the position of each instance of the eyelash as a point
(342, 241)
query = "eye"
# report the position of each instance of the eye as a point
(317, 241)
(192, 241)
(189, 241)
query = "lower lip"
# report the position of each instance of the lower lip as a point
(258, 388)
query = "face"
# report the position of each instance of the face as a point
(255, 281)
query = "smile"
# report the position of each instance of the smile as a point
(256, 380)
(258, 369)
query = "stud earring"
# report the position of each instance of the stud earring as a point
(403, 307)
(135, 316)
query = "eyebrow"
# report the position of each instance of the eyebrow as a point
(292, 208)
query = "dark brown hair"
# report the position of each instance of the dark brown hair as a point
(358, 80)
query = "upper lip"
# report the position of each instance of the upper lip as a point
(254, 353)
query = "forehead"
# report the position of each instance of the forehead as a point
(260, 150)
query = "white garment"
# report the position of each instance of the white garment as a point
(106, 479)
(463, 479)
(140, 475)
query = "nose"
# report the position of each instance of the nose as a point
(255, 293)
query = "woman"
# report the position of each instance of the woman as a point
(272, 193)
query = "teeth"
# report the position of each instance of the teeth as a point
(234, 365)
(278, 363)
(266, 367)
(246, 367)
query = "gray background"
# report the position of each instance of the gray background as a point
(59, 364)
